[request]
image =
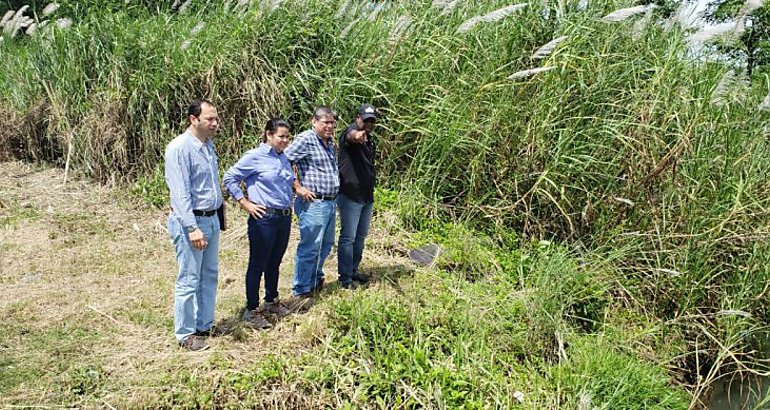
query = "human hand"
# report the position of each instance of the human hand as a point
(305, 194)
(359, 137)
(257, 211)
(197, 239)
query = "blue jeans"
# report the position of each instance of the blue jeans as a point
(268, 238)
(195, 292)
(354, 226)
(316, 237)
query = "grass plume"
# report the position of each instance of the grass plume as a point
(626, 13)
(491, 17)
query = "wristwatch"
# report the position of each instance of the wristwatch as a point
(192, 228)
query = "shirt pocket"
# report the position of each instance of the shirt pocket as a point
(285, 175)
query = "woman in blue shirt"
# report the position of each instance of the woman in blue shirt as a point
(268, 177)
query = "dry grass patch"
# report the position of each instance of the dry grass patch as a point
(88, 276)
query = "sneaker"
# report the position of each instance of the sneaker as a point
(360, 278)
(277, 308)
(346, 286)
(194, 343)
(255, 320)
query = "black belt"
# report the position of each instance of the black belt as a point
(198, 212)
(274, 211)
(326, 198)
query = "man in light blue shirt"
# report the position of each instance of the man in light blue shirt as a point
(192, 176)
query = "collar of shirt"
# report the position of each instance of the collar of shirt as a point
(326, 146)
(269, 149)
(200, 146)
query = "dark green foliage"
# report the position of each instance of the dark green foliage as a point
(620, 149)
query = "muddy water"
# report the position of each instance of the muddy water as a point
(749, 393)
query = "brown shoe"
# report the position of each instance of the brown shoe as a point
(194, 343)
(255, 320)
(276, 308)
(300, 303)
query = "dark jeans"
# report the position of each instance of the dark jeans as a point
(268, 237)
(354, 227)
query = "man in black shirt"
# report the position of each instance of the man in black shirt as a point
(356, 197)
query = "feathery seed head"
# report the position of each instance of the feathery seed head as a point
(765, 105)
(50, 9)
(528, 73)
(274, 5)
(734, 312)
(375, 11)
(584, 402)
(346, 30)
(718, 96)
(7, 17)
(622, 14)
(31, 29)
(548, 48)
(20, 12)
(198, 27)
(64, 23)
(342, 10)
(494, 16)
(183, 8)
(449, 6)
(641, 24)
(400, 28)
(625, 201)
(732, 29)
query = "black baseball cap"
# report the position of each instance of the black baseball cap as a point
(367, 111)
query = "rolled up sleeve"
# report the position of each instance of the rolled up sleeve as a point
(242, 169)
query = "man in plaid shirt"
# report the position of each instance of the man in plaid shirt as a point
(317, 185)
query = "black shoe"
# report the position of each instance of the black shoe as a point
(214, 331)
(346, 285)
(318, 287)
(360, 278)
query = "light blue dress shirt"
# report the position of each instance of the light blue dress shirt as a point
(268, 177)
(192, 176)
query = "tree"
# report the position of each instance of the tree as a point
(753, 45)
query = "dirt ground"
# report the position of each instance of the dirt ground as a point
(87, 275)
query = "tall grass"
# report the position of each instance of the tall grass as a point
(617, 148)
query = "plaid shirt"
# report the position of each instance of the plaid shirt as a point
(317, 164)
